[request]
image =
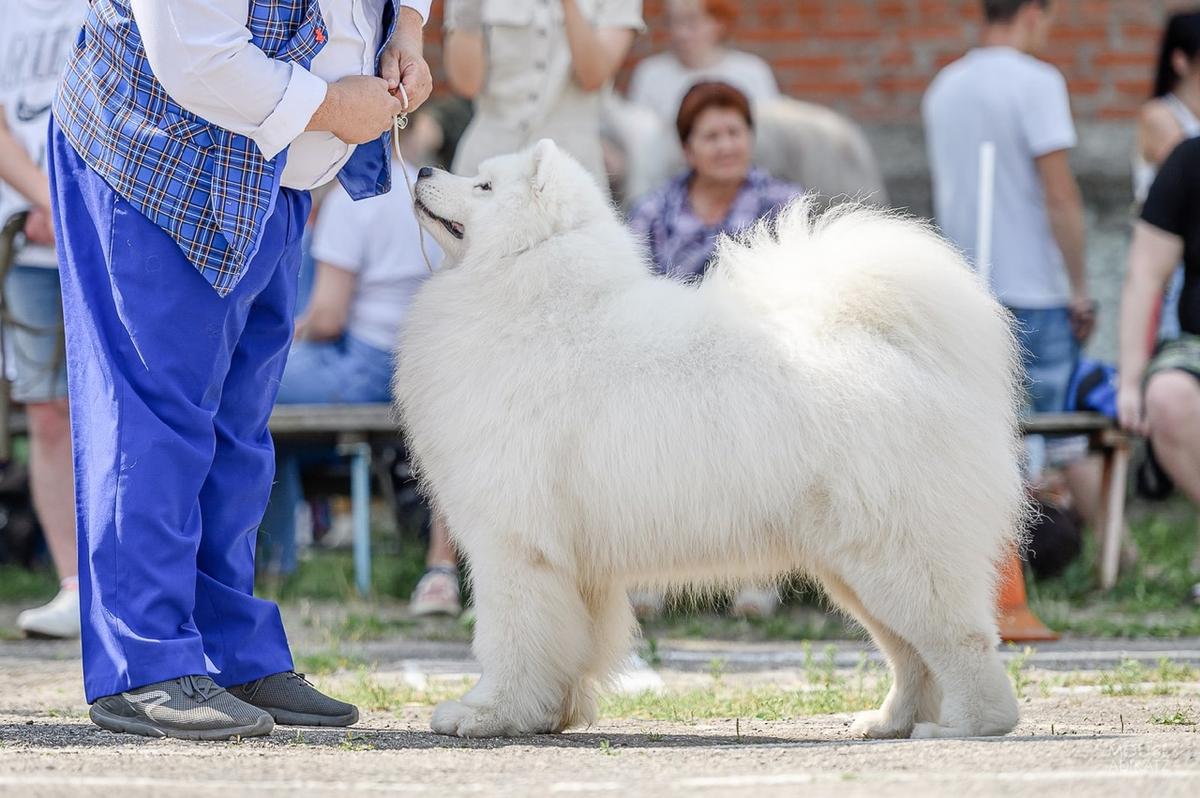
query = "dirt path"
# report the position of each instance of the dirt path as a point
(1074, 739)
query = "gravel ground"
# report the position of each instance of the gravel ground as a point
(1071, 741)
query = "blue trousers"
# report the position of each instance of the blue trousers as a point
(170, 388)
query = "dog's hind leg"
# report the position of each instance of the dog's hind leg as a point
(532, 638)
(914, 695)
(947, 618)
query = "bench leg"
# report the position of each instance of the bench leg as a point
(1112, 520)
(360, 504)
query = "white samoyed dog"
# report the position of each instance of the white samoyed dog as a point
(836, 398)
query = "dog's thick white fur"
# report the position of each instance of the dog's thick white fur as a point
(836, 398)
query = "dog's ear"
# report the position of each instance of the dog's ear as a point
(545, 156)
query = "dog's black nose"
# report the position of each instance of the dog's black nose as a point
(424, 172)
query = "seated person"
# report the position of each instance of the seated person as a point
(698, 30)
(1160, 397)
(369, 265)
(721, 192)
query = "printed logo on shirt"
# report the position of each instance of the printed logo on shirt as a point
(319, 35)
(31, 113)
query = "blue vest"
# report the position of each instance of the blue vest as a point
(209, 189)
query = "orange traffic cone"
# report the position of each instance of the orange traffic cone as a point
(1017, 622)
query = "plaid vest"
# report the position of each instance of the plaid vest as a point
(209, 189)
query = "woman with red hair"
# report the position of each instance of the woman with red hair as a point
(721, 192)
(699, 29)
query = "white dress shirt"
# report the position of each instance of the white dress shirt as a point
(201, 53)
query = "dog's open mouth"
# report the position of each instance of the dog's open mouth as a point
(455, 229)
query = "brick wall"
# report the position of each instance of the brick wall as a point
(874, 58)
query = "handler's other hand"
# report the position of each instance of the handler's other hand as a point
(357, 109)
(403, 63)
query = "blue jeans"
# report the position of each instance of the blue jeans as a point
(171, 387)
(345, 371)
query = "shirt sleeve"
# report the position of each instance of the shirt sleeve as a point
(420, 6)
(620, 14)
(1168, 201)
(340, 234)
(1046, 118)
(201, 53)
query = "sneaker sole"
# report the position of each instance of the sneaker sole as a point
(286, 718)
(147, 728)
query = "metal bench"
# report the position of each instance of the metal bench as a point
(1113, 444)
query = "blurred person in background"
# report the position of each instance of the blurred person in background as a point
(536, 69)
(1000, 93)
(34, 43)
(369, 265)
(1171, 116)
(720, 193)
(1159, 396)
(699, 30)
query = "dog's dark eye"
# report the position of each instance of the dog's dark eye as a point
(484, 186)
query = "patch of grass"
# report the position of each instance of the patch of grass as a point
(826, 691)
(355, 742)
(329, 575)
(21, 586)
(1180, 717)
(607, 749)
(1018, 671)
(1150, 600)
(366, 691)
(322, 663)
(1131, 677)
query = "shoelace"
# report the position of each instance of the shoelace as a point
(200, 688)
(253, 687)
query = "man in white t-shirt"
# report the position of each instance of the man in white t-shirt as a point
(999, 93)
(34, 42)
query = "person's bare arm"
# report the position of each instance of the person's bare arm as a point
(18, 169)
(1064, 204)
(1158, 133)
(1153, 256)
(596, 53)
(329, 309)
(466, 63)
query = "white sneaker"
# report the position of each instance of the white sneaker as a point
(752, 602)
(59, 618)
(436, 593)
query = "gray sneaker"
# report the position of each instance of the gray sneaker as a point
(293, 701)
(188, 708)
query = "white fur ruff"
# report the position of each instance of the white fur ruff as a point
(837, 398)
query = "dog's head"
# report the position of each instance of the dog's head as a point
(515, 202)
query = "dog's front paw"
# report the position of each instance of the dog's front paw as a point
(448, 716)
(875, 724)
(457, 719)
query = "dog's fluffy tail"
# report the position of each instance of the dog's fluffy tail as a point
(886, 293)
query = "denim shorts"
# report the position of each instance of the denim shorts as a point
(34, 356)
(1049, 355)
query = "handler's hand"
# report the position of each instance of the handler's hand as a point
(403, 62)
(357, 109)
(1129, 409)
